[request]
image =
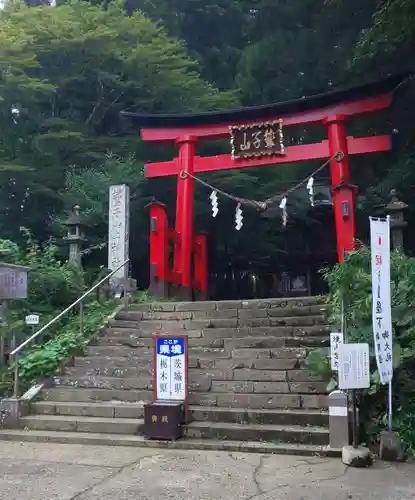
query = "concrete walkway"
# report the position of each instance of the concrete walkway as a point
(32, 471)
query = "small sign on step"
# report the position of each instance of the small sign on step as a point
(32, 319)
(354, 370)
(336, 340)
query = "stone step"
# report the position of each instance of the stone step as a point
(96, 439)
(218, 343)
(259, 401)
(146, 353)
(102, 362)
(65, 423)
(240, 374)
(201, 353)
(253, 432)
(148, 342)
(205, 363)
(200, 382)
(213, 329)
(70, 394)
(315, 316)
(308, 341)
(237, 400)
(276, 416)
(101, 382)
(116, 409)
(232, 316)
(108, 370)
(269, 342)
(197, 429)
(254, 304)
(137, 333)
(111, 409)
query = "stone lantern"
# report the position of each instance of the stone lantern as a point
(395, 209)
(75, 235)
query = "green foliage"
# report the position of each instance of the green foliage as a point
(6, 381)
(393, 29)
(52, 284)
(69, 71)
(351, 282)
(318, 362)
(147, 296)
(43, 361)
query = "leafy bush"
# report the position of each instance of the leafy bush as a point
(6, 381)
(43, 361)
(147, 296)
(352, 281)
(52, 284)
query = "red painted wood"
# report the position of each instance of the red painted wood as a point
(304, 152)
(314, 116)
(186, 164)
(158, 240)
(178, 222)
(340, 172)
(364, 145)
(342, 191)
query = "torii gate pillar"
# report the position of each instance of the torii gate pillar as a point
(184, 214)
(343, 192)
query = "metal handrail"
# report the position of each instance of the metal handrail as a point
(16, 351)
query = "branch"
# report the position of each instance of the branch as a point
(97, 104)
(112, 104)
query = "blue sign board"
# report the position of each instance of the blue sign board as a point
(171, 369)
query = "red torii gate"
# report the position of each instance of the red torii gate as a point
(331, 110)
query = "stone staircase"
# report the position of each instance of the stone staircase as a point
(249, 388)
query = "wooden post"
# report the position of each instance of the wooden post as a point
(158, 250)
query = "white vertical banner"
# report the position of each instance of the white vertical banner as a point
(118, 229)
(381, 296)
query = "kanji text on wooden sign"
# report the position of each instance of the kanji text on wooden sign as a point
(13, 282)
(336, 340)
(171, 368)
(262, 139)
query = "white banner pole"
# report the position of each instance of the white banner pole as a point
(381, 308)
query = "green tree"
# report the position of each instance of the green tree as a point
(214, 31)
(66, 73)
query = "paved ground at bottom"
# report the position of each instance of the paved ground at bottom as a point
(39, 471)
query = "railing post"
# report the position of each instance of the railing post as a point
(81, 317)
(16, 376)
(2, 360)
(125, 298)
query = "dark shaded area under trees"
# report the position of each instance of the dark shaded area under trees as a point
(69, 76)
